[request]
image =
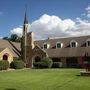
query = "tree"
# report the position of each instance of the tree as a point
(13, 37)
(5, 38)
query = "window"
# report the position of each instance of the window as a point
(73, 44)
(5, 57)
(46, 46)
(59, 45)
(88, 42)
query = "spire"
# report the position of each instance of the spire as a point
(25, 18)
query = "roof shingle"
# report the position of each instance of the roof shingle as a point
(14, 47)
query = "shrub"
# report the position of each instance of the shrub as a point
(17, 64)
(4, 65)
(37, 64)
(56, 65)
(44, 63)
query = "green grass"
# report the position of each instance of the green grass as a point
(44, 79)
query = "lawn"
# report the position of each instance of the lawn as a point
(44, 79)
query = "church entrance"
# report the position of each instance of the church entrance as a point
(37, 59)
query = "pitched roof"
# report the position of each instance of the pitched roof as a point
(66, 51)
(1, 49)
(66, 41)
(14, 47)
(37, 47)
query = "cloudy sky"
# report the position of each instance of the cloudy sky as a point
(47, 18)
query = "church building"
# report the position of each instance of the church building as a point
(68, 51)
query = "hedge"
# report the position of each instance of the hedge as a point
(44, 63)
(17, 64)
(4, 65)
(56, 65)
(37, 64)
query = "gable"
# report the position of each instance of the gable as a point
(37, 51)
(6, 51)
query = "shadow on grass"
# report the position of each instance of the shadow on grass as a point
(78, 75)
(10, 89)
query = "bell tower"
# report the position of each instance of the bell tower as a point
(27, 44)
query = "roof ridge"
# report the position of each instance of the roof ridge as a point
(62, 38)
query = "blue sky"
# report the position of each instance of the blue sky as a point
(12, 12)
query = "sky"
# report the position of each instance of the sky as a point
(47, 18)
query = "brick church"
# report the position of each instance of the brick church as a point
(68, 51)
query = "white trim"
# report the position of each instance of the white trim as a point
(48, 45)
(88, 40)
(73, 41)
(61, 44)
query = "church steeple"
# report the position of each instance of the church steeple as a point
(25, 18)
(24, 38)
(25, 26)
(27, 43)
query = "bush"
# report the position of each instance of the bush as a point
(56, 65)
(44, 63)
(37, 64)
(17, 64)
(4, 65)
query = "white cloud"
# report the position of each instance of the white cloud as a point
(17, 31)
(88, 11)
(53, 26)
(81, 28)
(88, 15)
(88, 8)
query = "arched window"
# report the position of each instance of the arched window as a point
(5, 57)
(59, 45)
(37, 59)
(88, 42)
(73, 43)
